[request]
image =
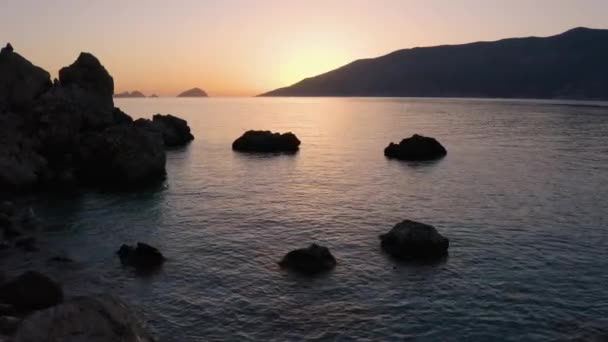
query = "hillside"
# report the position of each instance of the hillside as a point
(571, 65)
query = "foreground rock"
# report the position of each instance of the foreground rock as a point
(414, 240)
(91, 319)
(311, 260)
(266, 141)
(143, 257)
(31, 291)
(62, 135)
(416, 148)
(174, 131)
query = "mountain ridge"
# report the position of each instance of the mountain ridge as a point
(568, 65)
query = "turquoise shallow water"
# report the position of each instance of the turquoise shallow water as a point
(522, 195)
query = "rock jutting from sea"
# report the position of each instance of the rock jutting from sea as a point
(266, 142)
(68, 133)
(416, 148)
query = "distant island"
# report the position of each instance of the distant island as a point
(571, 65)
(153, 95)
(194, 92)
(134, 93)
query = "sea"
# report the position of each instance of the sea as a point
(522, 195)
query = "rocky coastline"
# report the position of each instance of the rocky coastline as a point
(65, 135)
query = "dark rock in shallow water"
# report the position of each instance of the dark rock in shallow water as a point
(417, 147)
(266, 141)
(91, 319)
(311, 260)
(21, 82)
(31, 291)
(414, 240)
(174, 131)
(143, 257)
(121, 156)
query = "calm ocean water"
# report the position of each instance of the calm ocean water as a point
(522, 195)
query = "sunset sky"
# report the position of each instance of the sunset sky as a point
(246, 47)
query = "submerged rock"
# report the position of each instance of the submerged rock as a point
(311, 260)
(31, 291)
(266, 141)
(414, 240)
(90, 319)
(174, 131)
(416, 148)
(143, 257)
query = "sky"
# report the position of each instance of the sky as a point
(246, 47)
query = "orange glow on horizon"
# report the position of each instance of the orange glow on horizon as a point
(245, 48)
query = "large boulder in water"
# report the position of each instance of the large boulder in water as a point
(266, 141)
(21, 82)
(121, 156)
(143, 257)
(31, 291)
(175, 131)
(414, 240)
(311, 260)
(91, 319)
(416, 148)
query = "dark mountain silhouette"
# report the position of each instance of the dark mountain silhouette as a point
(194, 92)
(134, 93)
(572, 65)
